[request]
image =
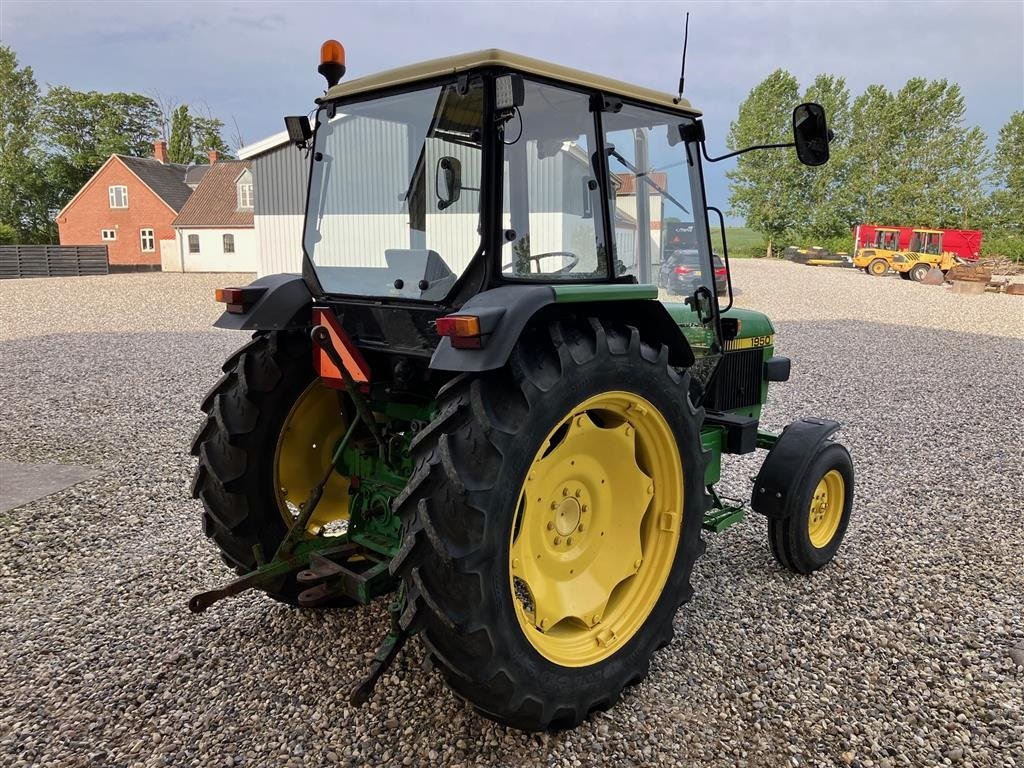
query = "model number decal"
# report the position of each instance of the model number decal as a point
(751, 342)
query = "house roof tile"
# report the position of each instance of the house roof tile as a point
(215, 201)
(167, 180)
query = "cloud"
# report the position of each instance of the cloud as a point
(257, 65)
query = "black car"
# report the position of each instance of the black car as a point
(680, 273)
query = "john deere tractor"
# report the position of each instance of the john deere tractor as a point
(472, 401)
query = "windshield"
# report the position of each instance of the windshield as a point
(394, 200)
(653, 188)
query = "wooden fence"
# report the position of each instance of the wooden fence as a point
(53, 260)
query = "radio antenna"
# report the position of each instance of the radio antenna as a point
(682, 67)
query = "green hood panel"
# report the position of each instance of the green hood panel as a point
(752, 323)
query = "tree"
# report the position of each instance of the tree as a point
(937, 162)
(207, 136)
(1007, 200)
(24, 203)
(873, 117)
(193, 136)
(82, 129)
(179, 149)
(826, 205)
(765, 186)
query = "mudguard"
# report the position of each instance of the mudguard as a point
(521, 303)
(284, 304)
(785, 465)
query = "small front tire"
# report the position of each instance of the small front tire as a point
(809, 536)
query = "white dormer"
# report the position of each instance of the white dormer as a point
(243, 190)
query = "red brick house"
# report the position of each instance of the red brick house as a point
(128, 205)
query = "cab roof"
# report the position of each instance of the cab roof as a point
(492, 57)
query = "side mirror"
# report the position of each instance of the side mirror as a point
(448, 181)
(299, 131)
(811, 134)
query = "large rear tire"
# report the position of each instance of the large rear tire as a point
(537, 440)
(270, 427)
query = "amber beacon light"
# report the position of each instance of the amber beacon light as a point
(332, 62)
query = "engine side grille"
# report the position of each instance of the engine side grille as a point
(737, 383)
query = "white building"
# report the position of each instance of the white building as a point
(214, 230)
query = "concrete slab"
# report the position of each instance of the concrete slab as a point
(22, 483)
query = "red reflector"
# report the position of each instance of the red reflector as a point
(467, 342)
(720, 272)
(683, 271)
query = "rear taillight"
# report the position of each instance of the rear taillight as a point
(463, 330)
(720, 272)
(683, 271)
(238, 300)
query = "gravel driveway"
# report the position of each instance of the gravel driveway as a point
(899, 653)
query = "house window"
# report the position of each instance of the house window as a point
(245, 195)
(108, 234)
(148, 241)
(229, 243)
(243, 185)
(118, 196)
(193, 243)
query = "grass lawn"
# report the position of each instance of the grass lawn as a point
(744, 243)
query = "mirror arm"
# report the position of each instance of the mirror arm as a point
(704, 150)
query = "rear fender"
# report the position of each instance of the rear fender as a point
(525, 304)
(286, 303)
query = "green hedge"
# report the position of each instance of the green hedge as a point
(1007, 246)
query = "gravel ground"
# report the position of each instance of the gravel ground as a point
(899, 653)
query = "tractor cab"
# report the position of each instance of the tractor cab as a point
(926, 241)
(432, 183)
(887, 239)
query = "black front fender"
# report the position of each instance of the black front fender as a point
(285, 303)
(785, 465)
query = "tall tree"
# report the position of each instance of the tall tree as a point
(24, 202)
(82, 129)
(1007, 200)
(207, 135)
(765, 187)
(179, 149)
(826, 205)
(873, 118)
(194, 135)
(937, 162)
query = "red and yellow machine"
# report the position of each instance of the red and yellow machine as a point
(913, 252)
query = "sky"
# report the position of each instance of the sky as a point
(253, 62)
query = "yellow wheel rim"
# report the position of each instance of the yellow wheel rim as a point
(879, 267)
(596, 529)
(305, 447)
(826, 508)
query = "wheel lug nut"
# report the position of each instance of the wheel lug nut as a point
(551, 526)
(565, 491)
(558, 540)
(579, 492)
(568, 541)
(580, 527)
(554, 505)
(584, 508)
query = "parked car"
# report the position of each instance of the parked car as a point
(680, 273)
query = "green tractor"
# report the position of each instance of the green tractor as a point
(472, 401)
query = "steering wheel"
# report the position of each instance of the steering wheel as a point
(573, 261)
